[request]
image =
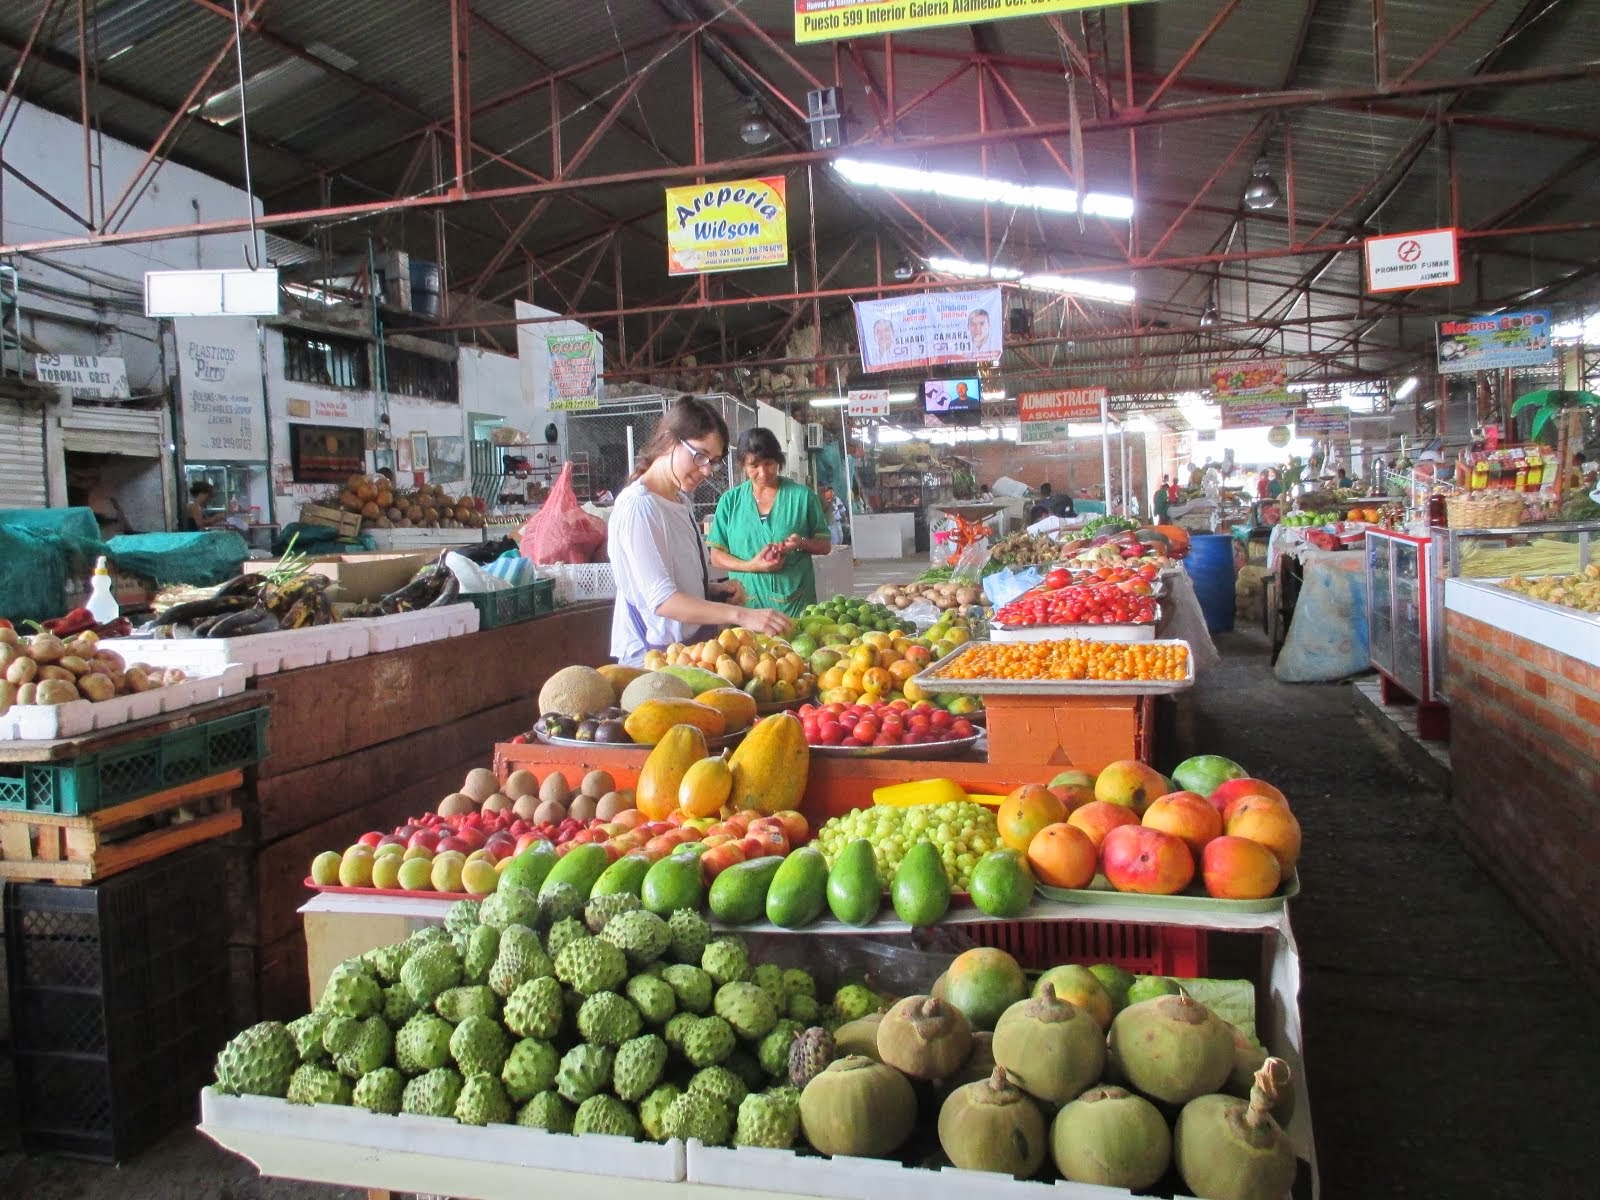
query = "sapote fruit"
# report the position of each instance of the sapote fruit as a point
(1111, 1137)
(925, 1038)
(859, 1036)
(980, 1063)
(1248, 1058)
(1050, 1048)
(1231, 1149)
(858, 1107)
(992, 1126)
(1172, 1048)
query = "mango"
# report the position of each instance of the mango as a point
(656, 793)
(581, 867)
(649, 723)
(921, 889)
(738, 896)
(625, 875)
(855, 892)
(799, 890)
(673, 882)
(530, 868)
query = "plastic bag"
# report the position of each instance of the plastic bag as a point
(1006, 585)
(968, 569)
(924, 614)
(474, 580)
(561, 532)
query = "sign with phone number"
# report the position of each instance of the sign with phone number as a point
(832, 20)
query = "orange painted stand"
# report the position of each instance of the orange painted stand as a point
(1086, 732)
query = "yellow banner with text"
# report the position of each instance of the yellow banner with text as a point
(729, 226)
(831, 20)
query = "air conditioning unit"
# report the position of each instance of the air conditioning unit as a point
(813, 436)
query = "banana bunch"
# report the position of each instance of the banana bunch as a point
(299, 603)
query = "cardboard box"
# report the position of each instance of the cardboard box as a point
(359, 577)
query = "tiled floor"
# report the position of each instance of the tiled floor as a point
(1403, 720)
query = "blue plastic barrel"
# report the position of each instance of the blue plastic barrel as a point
(1210, 566)
(424, 288)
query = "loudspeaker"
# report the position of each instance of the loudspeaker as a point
(1019, 322)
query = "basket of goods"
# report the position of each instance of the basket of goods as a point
(1492, 509)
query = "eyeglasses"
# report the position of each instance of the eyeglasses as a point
(700, 457)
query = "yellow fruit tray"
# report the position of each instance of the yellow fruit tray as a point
(1100, 892)
(933, 679)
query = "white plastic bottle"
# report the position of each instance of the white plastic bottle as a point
(102, 604)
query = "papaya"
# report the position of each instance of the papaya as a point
(738, 708)
(619, 676)
(649, 723)
(705, 787)
(656, 793)
(770, 765)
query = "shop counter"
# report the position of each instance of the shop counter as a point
(1523, 681)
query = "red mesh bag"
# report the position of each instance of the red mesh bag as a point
(561, 532)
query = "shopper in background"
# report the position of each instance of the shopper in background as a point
(200, 493)
(766, 529)
(665, 592)
(1161, 502)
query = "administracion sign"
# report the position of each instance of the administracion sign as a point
(86, 375)
(1490, 343)
(1047, 416)
(1256, 414)
(1249, 381)
(731, 226)
(220, 390)
(1322, 422)
(1424, 259)
(929, 329)
(867, 402)
(830, 20)
(574, 371)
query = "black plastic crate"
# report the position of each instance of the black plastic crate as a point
(118, 1004)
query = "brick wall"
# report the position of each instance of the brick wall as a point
(1525, 755)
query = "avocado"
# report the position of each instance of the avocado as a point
(625, 875)
(921, 890)
(672, 883)
(799, 891)
(855, 893)
(580, 867)
(739, 895)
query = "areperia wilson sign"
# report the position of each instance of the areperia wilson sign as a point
(729, 226)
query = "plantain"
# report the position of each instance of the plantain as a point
(213, 606)
(242, 624)
(243, 585)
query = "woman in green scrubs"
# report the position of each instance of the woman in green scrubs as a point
(766, 529)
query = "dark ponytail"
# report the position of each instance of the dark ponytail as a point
(687, 418)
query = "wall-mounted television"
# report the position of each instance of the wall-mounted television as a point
(961, 394)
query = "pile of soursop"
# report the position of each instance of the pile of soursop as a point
(544, 1012)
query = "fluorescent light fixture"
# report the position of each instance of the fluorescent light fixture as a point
(971, 270)
(950, 185)
(1091, 289)
(1406, 388)
(829, 403)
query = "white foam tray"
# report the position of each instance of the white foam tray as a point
(398, 630)
(258, 654)
(339, 1144)
(44, 722)
(1051, 633)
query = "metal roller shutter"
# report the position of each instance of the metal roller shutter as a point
(22, 467)
(135, 433)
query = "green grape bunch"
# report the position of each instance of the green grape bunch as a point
(963, 831)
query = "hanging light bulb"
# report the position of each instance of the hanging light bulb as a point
(1208, 317)
(755, 131)
(1262, 193)
(903, 270)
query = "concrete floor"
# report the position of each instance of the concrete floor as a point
(1450, 1053)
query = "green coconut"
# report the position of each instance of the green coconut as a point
(1232, 1149)
(1111, 1137)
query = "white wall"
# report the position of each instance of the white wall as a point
(491, 384)
(791, 436)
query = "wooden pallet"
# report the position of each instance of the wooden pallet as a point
(84, 849)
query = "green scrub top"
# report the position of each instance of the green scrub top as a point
(739, 529)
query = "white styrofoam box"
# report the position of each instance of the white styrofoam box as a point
(423, 539)
(1051, 633)
(259, 653)
(398, 630)
(42, 722)
(356, 1134)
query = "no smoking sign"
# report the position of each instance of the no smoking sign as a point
(1402, 261)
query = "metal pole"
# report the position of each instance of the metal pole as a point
(849, 480)
(1105, 451)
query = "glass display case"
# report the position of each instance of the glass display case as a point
(1402, 613)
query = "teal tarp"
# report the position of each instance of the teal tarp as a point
(201, 559)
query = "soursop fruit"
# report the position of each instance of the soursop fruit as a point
(654, 1106)
(311, 1084)
(368, 1049)
(530, 1069)
(535, 1009)
(708, 1041)
(721, 1084)
(766, 1121)
(432, 1094)
(641, 935)
(459, 1003)
(428, 935)
(743, 1063)
(460, 919)
(352, 990)
(479, 1046)
(747, 1008)
(638, 1066)
(521, 958)
(606, 1019)
(601, 909)
(692, 987)
(677, 1028)
(691, 1116)
(769, 979)
(423, 1044)
(339, 1034)
(562, 934)
(398, 1006)
(803, 1009)
(307, 1031)
(786, 1095)
(809, 1056)
(560, 903)
(432, 970)
(798, 983)
(483, 944)
(510, 906)
(653, 997)
(546, 1111)
(608, 1115)
(584, 1070)
(853, 1001)
(726, 960)
(380, 1091)
(386, 961)
(690, 933)
(258, 1062)
(773, 1053)
(483, 1101)
(591, 966)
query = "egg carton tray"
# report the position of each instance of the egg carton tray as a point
(396, 631)
(258, 654)
(46, 722)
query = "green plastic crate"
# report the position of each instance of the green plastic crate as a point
(510, 605)
(168, 760)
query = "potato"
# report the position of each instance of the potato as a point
(107, 661)
(119, 681)
(22, 670)
(78, 666)
(96, 686)
(8, 655)
(8, 695)
(173, 675)
(137, 678)
(46, 648)
(25, 693)
(57, 672)
(8, 636)
(56, 691)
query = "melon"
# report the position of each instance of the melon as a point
(575, 692)
(654, 685)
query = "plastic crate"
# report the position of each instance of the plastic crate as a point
(100, 779)
(577, 582)
(1176, 950)
(513, 604)
(118, 1004)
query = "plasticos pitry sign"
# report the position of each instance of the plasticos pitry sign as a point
(730, 226)
(831, 20)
